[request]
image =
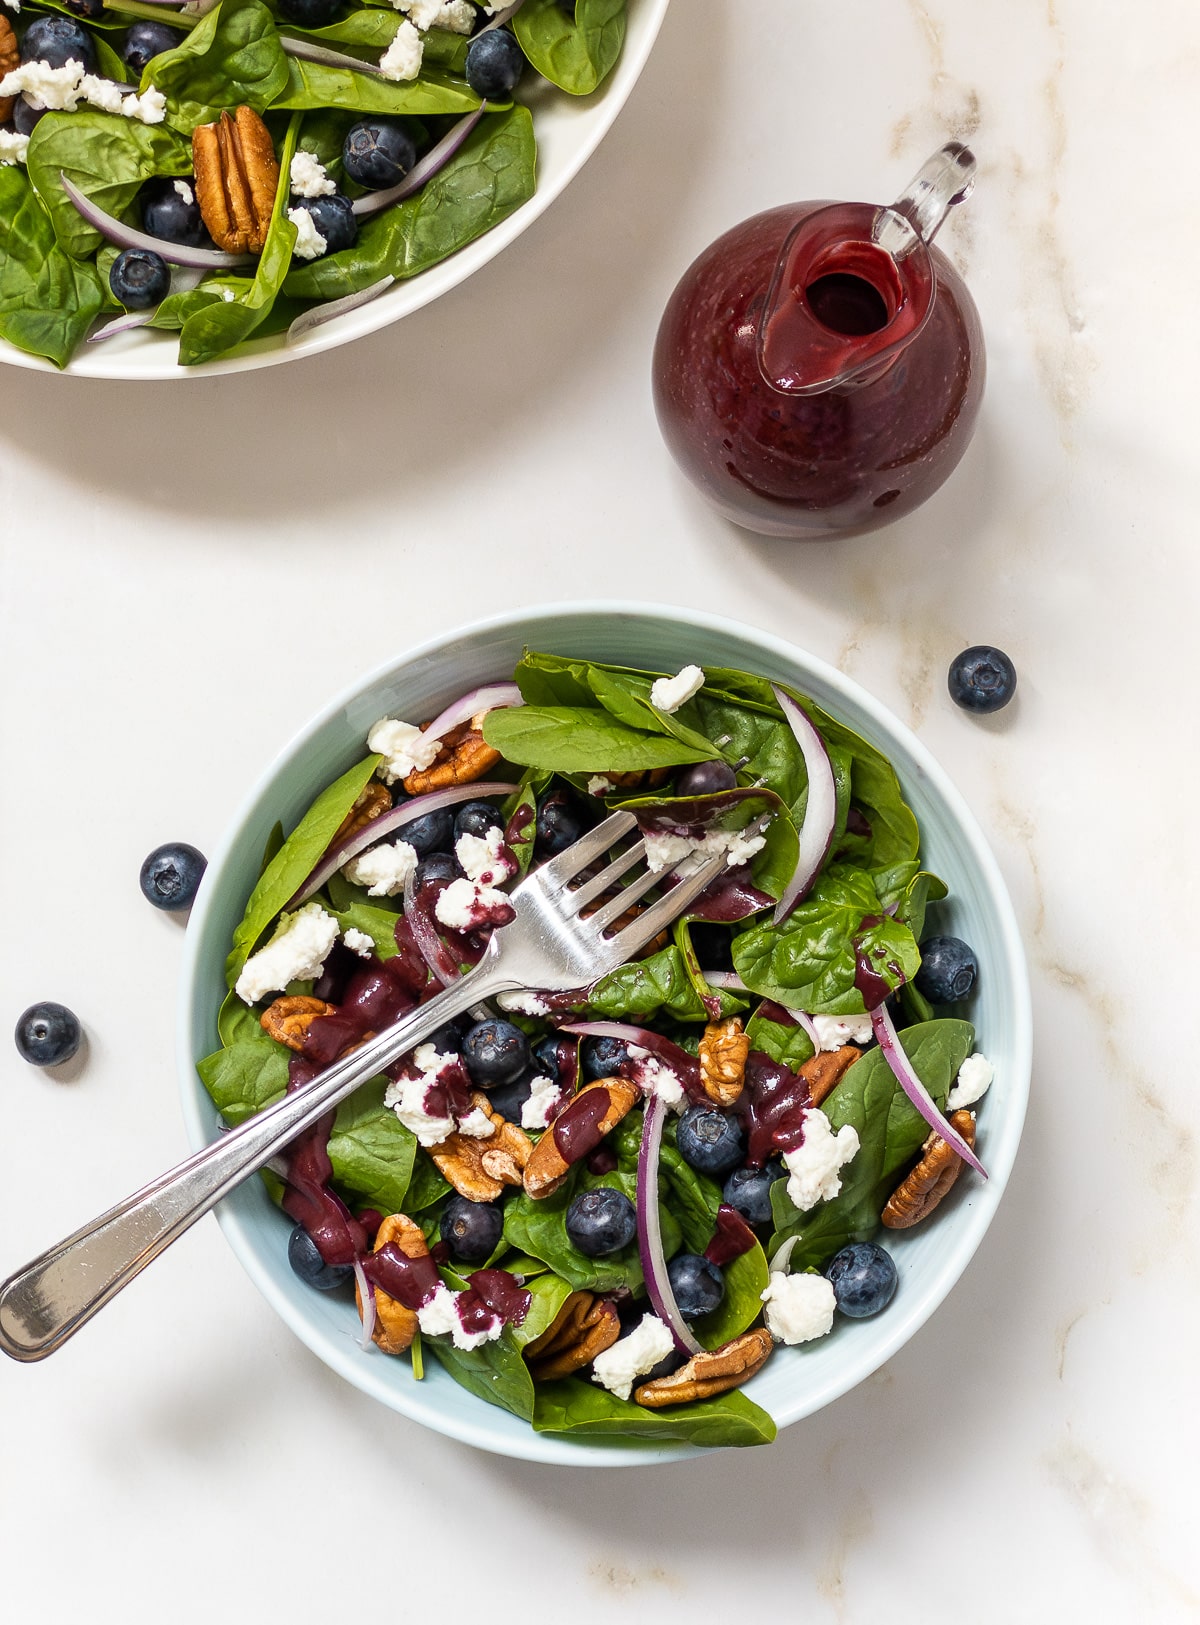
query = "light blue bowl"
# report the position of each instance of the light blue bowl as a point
(795, 1382)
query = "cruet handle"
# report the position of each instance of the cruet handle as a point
(918, 213)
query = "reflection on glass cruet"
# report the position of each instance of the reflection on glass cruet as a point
(818, 370)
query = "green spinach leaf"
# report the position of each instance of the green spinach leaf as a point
(547, 1293)
(246, 1076)
(370, 1149)
(540, 1228)
(563, 739)
(789, 1045)
(647, 987)
(495, 1372)
(47, 299)
(576, 54)
(311, 85)
(378, 923)
(745, 1282)
(575, 1406)
(231, 58)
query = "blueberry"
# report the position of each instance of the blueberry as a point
(25, 117)
(476, 818)
(308, 1264)
(748, 1190)
(170, 211)
(602, 1058)
(378, 153)
(495, 63)
(171, 874)
(471, 1230)
(705, 779)
(85, 8)
(145, 41)
(509, 1099)
(140, 279)
(948, 970)
(448, 1040)
(437, 866)
(432, 832)
(669, 1363)
(560, 823)
(57, 41)
(310, 13)
(863, 1278)
(333, 216)
(982, 679)
(710, 1140)
(495, 1052)
(698, 1285)
(713, 945)
(601, 1221)
(545, 1058)
(48, 1034)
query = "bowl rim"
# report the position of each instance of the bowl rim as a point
(973, 1221)
(604, 104)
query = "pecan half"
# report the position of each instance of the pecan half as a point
(919, 1193)
(547, 1166)
(372, 802)
(395, 1326)
(10, 59)
(584, 1327)
(287, 1020)
(709, 1373)
(237, 177)
(479, 1169)
(825, 1071)
(644, 778)
(464, 757)
(723, 1052)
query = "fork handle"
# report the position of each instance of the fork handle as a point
(45, 1303)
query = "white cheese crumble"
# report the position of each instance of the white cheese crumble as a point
(598, 785)
(834, 1032)
(307, 177)
(617, 1368)
(525, 1003)
(14, 148)
(481, 857)
(359, 942)
(185, 192)
(440, 1318)
(404, 749)
(13, 5)
(309, 244)
(407, 1098)
(464, 905)
(296, 953)
(540, 1110)
(101, 94)
(61, 90)
(403, 57)
(973, 1082)
(382, 869)
(669, 693)
(656, 1078)
(814, 1165)
(456, 15)
(798, 1307)
(148, 108)
(665, 851)
(477, 1125)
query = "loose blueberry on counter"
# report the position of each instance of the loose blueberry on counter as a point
(509, 1099)
(863, 1278)
(705, 779)
(378, 153)
(437, 866)
(166, 213)
(560, 823)
(982, 679)
(601, 1221)
(333, 216)
(495, 1052)
(602, 1058)
(171, 874)
(709, 1140)
(748, 1191)
(48, 1034)
(310, 13)
(25, 118)
(712, 944)
(308, 1264)
(698, 1285)
(495, 63)
(57, 41)
(476, 818)
(948, 970)
(432, 832)
(471, 1230)
(143, 42)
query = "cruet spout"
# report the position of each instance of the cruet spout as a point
(918, 214)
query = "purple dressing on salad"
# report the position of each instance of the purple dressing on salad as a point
(773, 1104)
(732, 1237)
(874, 989)
(411, 1281)
(500, 1293)
(577, 1128)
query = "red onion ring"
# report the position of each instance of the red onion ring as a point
(907, 1078)
(423, 170)
(491, 697)
(320, 314)
(649, 1229)
(685, 1067)
(116, 231)
(806, 1021)
(425, 934)
(183, 282)
(306, 51)
(727, 979)
(820, 812)
(366, 1292)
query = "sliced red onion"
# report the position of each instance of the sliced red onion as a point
(320, 314)
(727, 979)
(907, 1078)
(677, 1059)
(806, 1021)
(183, 281)
(366, 1293)
(425, 934)
(491, 697)
(820, 812)
(649, 1229)
(307, 51)
(782, 1256)
(116, 231)
(351, 845)
(424, 169)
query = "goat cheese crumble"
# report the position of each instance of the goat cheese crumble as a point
(408, 1097)
(185, 192)
(669, 693)
(524, 1002)
(307, 177)
(665, 851)
(359, 942)
(477, 1125)
(404, 749)
(599, 785)
(972, 1083)
(382, 869)
(834, 1032)
(60, 90)
(813, 1167)
(540, 1110)
(296, 953)
(440, 1317)
(14, 148)
(309, 244)
(632, 1356)
(403, 57)
(655, 1077)
(799, 1308)
(482, 857)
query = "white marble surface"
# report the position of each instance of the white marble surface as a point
(189, 570)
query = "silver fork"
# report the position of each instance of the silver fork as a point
(547, 946)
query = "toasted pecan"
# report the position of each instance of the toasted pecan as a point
(371, 804)
(584, 1327)
(288, 1019)
(395, 1326)
(643, 778)
(547, 1167)
(464, 757)
(480, 1168)
(920, 1191)
(825, 1071)
(709, 1372)
(10, 59)
(237, 178)
(723, 1051)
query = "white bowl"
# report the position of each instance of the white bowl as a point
(930, 1259)
(568, 129)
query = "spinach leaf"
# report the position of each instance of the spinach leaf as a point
(808, 962)
(370, 1149)
(557, 680)
(490, 177)
(574, 54)
(906, 889)
(789, 1045)
(47, 300)
(495, 1372)
(426, 1187)
(575, 1406)
(378, 923)
(563, 739)
(311, 85)
(246, 1076)
(718, 1002)
(548, 1293)
(295, 861)
(646, 987)
(891, 1131)
(107, 157)
(745, 1282)
(231, 58)
(540, 1228)
(693, 1197)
